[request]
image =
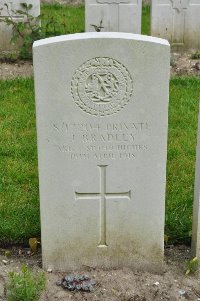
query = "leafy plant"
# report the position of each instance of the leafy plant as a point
(99, 27)
(33, 243)
(9, 57)
(28, 30)
(192, 266)
(172, 62)
(25, 286)
(196, 55)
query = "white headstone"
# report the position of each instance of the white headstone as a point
(116, 15)
(196, 205)
(6, 32)
(178, 21)
(102, 103)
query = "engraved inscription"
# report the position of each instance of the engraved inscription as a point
(99, 141)
(101, 86)
(103, 196)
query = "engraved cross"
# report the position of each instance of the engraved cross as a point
(179, 7)
(103, 196)
(180, 4)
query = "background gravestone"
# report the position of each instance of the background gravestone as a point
(102, 145)
(196, 205)
(178, 21)
(6, 31)
(116, 15)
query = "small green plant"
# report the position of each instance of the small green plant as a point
(196, 55)
(172, 62)
(28, 30)
(10, 57)
(25, 286)
(192, 266)
(99, 27)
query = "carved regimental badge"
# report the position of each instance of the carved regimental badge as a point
(101, 86)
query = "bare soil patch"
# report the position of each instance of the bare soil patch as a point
(17, 69)
(115, 285)
(181, 64)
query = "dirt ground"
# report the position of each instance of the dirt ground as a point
(18, 69)
(182, 64)
(114, 285)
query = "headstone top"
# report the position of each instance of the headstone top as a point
(100, 35)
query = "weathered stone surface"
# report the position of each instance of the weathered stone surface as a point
(177, 21)
(115, 15)
(102, 144)
(6, 32)
(196, 205)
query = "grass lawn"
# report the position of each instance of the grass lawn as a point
(66, 19)
(19, 206)
(183, 119)
(63, 19)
